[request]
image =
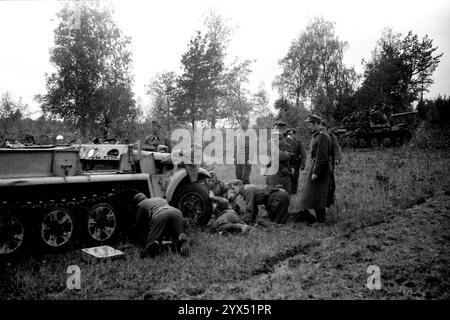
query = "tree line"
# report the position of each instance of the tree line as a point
(89, 94)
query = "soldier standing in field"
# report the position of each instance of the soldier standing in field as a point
(243, 170)
(316, 192)
(298, 158)
(289, 150)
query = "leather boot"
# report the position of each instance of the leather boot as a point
(321, 215)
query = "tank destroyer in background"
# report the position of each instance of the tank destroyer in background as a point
(374, 129)
(55, 197)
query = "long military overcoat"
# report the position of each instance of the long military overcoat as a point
(317, 194)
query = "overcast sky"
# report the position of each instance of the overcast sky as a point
(160, 31)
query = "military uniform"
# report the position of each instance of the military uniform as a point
(156, 219)
(291, 155)
(153, 141)
(317, 195)
(217, 186)
(226, 219)
(275, 200)
(297, 160)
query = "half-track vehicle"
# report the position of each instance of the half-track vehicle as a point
(55, 197)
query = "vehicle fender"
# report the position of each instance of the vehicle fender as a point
(177, 178)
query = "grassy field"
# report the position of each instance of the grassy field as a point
(392, 211)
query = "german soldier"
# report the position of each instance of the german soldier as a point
(156, 220)
(287, 153)
(227, 219)
(298, 158)
(243, 169)
(317, 187)
(275, 200)
(156, 138)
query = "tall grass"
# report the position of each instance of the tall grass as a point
(369, 185)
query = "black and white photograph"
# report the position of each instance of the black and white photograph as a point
(234, 151)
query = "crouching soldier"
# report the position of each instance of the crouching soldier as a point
(156, 220)
(226, 220)
(275, 200)
(217, 186)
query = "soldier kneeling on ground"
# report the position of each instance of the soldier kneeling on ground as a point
(227, 218)
(275, 200)
(155, 221)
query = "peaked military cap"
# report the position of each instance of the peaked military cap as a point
(313, 118)
(280, 123)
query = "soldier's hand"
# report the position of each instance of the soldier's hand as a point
(313, 177)
(302, 168)
(337, 162)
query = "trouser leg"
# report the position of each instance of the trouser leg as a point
(157, 225)
(239, 171)
(288, 185)
(246, 173)
(175, 224)
(282, 215)
(277, 206)
(165, 223)
(255, 211)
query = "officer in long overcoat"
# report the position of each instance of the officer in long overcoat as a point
(319, 170)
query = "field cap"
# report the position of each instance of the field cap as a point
(280, 123)
(138, 197)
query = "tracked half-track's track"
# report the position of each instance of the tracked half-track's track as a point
(67, 219)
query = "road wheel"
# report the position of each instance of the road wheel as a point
(362, 143)
(374, 143)
(102, 222)
(193, 201)
(13, 234)
(57, 228)
(352, 142)
(386, 142)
